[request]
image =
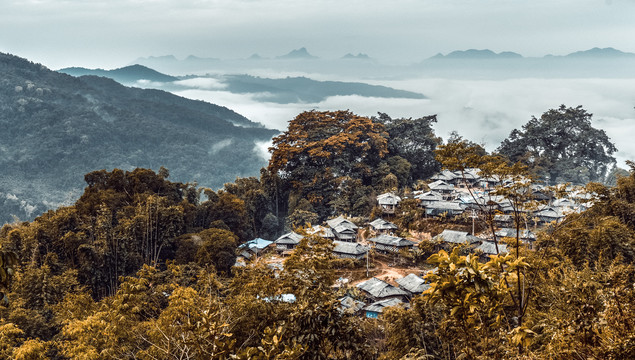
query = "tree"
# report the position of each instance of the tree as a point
(413, 140)
(562, 146)
(320, 149)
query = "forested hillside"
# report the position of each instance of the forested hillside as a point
(55, 126)
(141, 267)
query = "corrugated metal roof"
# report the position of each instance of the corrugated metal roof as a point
(380, 289)
(391, 240)
(379, 306)
(289, 238)
(341, 221)
(351, 248)
(456, 237)
(413, 284)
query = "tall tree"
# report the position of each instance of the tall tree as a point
(413, 140)
(321, 149)
(562, 146)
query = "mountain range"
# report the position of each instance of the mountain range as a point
(283, 91)
(57, 127)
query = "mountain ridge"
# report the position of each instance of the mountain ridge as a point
(58, 127)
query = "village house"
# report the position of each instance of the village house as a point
(322, 231)
(350, 250)
(343, 229)
(454, 237)
(377, 308)
(444, 175)
(388, 202)
(487, 248)
(388, 243)
(254, 248)
(429, 197)
(375, 289)
(547, 214)
(449, 208)
(413, 284)
(381, 226)
(288, 241)
(350, 305)
(442, 188)
(525, 234)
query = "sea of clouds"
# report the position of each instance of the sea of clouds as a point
(484, 111)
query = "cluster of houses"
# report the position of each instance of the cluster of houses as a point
(344, 234)
(379, 295)
(449, 194)
(453, 193)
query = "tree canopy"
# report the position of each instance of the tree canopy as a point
(562, 146)
(321, 149)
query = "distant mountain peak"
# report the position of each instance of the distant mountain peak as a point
(255, 56)
(126, 74)
(359, 56)
(301, 53)
(601, 52)
(476, 54)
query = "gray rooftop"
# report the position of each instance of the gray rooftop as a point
(456, 237)
(381, 224)
(391, 240)
(341, 221)
(413, 284)
(489, 248)
(388, 199)
(379, 306)
(289, 238)
(380, 289)
(351, 248)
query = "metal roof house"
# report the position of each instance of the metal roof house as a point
(377, 308)
(388, 202)
(343, 229)
(382, 226)
(288, 241)
(413, 284)
(428, 198)
(390, 243)
(456, 237)
(489, 248)
(375, 289)
(349, 250)
(254, 247)
(444, 207)
(322, 231)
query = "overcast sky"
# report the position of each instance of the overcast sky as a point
(112, 33)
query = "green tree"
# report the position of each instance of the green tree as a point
(320, 149)
(414, 141)
(562, 146)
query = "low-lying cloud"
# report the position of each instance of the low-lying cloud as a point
(484, 111)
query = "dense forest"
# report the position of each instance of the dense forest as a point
(56, 127)
(141, 267)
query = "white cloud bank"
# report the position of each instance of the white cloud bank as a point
(484, 111)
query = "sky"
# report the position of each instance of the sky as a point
(112, 33)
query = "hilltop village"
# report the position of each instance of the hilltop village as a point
(453, 198)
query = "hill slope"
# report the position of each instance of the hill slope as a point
(128, 74)
(57, 127)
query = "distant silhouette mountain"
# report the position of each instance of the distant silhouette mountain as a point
(56, 128)
(478, 54)
(128, 74)
(171, 58)
(601, 53)
(302, 89)
(359, 56)
(300, 53)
